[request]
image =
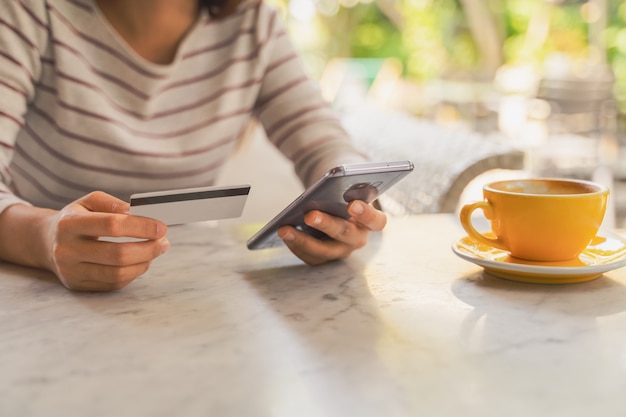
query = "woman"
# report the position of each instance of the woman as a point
(103, 98)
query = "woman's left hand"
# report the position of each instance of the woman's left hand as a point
(346, 235)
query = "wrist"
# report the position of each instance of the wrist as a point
(34, 225)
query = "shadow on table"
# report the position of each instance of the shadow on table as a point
(331, 314)
(29, 276)
(320, 294)
(330, 297)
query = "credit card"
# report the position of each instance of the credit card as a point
(191, 204)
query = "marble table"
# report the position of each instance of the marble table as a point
(402, 328)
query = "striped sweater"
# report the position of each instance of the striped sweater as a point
(81, 111)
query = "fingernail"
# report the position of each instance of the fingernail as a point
(288, 236)
(165, 245)
(317, 219)
(116, 208)
(357, 207)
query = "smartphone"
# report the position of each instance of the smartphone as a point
(331, 194)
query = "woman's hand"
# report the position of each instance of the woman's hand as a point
(346, 235)
(83, 262)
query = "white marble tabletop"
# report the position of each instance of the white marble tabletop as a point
(403, 328)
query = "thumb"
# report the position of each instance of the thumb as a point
(99, 201)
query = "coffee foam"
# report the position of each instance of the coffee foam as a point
(545, 187)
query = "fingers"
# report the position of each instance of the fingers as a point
(97, 277)
(311, 250)
(100, 214)
(114, 225)
(367, 216)
(83, 262)
(94, 265)
(99, 201)
(87, 250)
(338, 229)
(346, 235)
(352, 232)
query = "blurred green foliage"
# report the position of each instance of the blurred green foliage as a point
(433, 39)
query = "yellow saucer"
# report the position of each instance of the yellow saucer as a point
(603, 254)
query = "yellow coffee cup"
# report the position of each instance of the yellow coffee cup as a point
(539, 219)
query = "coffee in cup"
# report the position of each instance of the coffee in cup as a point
(539, 219)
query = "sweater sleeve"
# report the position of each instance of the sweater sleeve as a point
(23, 39)
(296, 118)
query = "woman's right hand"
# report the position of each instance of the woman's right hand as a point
(83, 262)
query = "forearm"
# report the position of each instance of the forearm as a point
(25, 235)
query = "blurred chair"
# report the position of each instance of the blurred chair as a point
(446, 159)
(581, 126)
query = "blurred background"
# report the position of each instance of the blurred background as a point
(514, 42)
(470, 87)
(548, 75)
(455, 57)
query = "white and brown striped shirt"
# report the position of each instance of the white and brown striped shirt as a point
(81, 111)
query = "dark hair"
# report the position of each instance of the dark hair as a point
(219, 8)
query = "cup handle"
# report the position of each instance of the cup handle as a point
(466, 222)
